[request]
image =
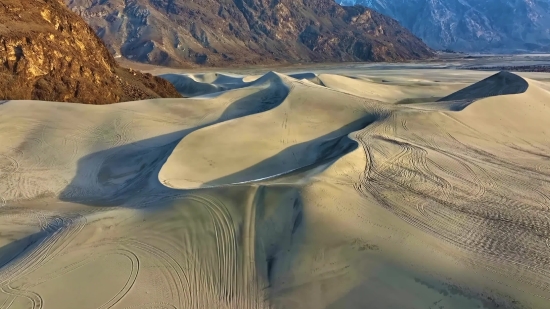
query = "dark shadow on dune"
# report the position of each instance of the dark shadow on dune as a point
(303, 75)
(122, 173)
(16, 249)
(312, 77)
(280, 226)
(502, 83)
(188, 87)
(418, 100)
(258, 102)
(3, 101)
(300, 157)
(457, 106)
(114, 176)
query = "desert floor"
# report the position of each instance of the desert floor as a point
(361, 188)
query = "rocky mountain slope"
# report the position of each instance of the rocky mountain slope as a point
(235, 32)
(49, 53)
(472, 25)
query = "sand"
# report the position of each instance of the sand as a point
(368, 189)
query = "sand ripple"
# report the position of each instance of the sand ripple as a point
(281, 191)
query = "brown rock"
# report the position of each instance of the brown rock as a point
(236, 32)
(49, 53)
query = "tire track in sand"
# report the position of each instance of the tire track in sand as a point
(55, 238)
(134, 270)
(175, 272)
(403, 180)
(226, 249)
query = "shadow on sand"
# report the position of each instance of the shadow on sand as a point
(502, 83)
(127, 175)
(300, 157)
(114, 176)
(15, 249)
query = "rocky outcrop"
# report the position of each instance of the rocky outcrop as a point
(240, 32)
(472, 25)
(49, 53)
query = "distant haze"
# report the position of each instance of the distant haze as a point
(472, 25)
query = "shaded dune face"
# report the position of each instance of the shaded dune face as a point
(281, 191)
(502, 83)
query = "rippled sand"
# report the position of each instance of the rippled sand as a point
(333, 190)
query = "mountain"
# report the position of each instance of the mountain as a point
(49, 53)
(237, 32)
(472, 25)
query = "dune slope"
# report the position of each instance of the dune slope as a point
(281, 191)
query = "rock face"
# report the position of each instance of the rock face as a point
(235, 32)
(49, 53)
(472, 25)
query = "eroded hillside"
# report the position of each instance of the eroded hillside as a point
(49, 53)
(236, 32)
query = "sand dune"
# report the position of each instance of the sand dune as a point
(193, 85)
(301, 131)
(304, 190)
(499, 84)
(410, 91)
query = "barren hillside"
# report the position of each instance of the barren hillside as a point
(49, 53)
(236, 32)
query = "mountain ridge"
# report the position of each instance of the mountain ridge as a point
(246, 32)
(472, 25)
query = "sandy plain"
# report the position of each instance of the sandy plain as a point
(409, 188)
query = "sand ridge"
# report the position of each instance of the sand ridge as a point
(304, 190)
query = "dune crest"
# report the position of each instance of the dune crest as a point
(304, 190)
(303, 138)
(502, 83)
